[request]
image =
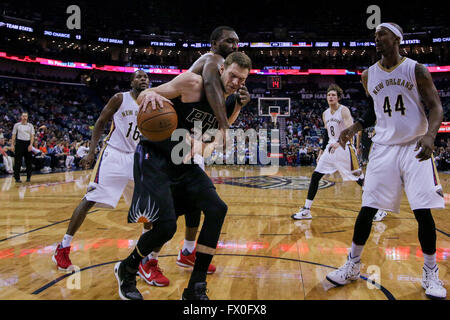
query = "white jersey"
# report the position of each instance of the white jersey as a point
(334, 124)
(400, 115)
(124, 134)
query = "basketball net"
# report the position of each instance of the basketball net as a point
(274, 116)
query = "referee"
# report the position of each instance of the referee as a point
(22, 142)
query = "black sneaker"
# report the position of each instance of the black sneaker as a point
(126, 278)
(196, 293)
(18, 181)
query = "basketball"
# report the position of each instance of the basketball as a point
(157, 125)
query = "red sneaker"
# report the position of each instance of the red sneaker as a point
(152, 274)
(61, 258)
(188, 261)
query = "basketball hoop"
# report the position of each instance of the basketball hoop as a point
(274, 116)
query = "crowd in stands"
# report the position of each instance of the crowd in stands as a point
(64, 116)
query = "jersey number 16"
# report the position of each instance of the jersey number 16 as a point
(136, 132)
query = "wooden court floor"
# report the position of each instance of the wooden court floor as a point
(262, 253)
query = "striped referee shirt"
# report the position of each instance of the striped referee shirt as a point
(23, 131)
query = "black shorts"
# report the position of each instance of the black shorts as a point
(163, 189)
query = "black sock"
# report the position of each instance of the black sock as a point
(202, 262)
(360, 182)
(133, 260)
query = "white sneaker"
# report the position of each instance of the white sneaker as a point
(303, 214)
(345, 274)
(434, 288)
(380, 215)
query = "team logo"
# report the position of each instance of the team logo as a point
(148, 214)
(440, 192)
(273, 182)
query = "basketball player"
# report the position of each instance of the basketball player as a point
(156, 173)
(401, 153)
(113, 170)
(224, 41)
(333, 157)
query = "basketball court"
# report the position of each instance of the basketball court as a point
(262, 253)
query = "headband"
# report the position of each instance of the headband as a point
(392, 28)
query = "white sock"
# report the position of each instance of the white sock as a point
(429, 260)
(355, 252)
(308, 203)
(188, 245)
(66, 241)
(154, 255)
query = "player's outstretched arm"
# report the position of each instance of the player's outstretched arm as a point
(214, 90)
(430, 97)
(106, 115)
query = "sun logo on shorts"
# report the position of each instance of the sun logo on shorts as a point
(149, 214)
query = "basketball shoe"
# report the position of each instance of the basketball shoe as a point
(197, 293)
(152, 274)
(187, 260)
(434, 288)
(61, 258)
(345, 274)
(379, 215)
(126, 279)
(303, 214)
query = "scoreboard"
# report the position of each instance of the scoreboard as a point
(273, 82)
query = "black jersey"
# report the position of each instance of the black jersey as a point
(188, 113)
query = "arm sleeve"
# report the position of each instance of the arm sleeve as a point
(369, 117)
(325, 140)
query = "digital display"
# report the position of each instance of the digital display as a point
(19, 27)
(322, 44)
(56, 34)
(273, 82)
(110, 40)
(441, 39)
(273, 75)
(163, 44)
(445, 127)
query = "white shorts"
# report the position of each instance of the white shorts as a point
(342, 160)
(112, 177)
(390, 168)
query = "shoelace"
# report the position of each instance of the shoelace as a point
(65, 254)
(348, 267)
(432, 279)
(202, 291)
(158, 269)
